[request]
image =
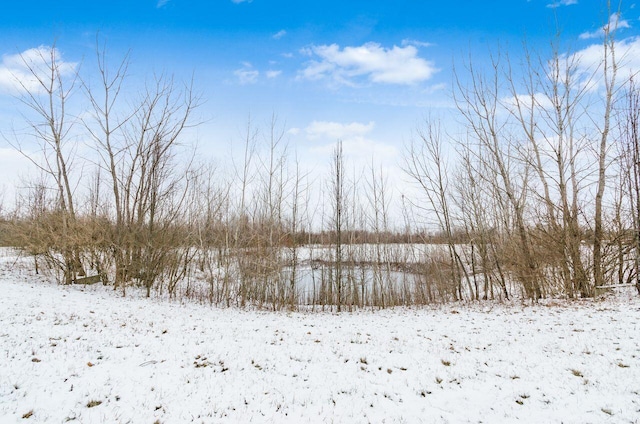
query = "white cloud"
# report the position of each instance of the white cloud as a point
(614, 23)
(435, 88)
(540, 101)
(15, 72)
(278, 35)
(562, 3)
(246, 74)
(586, 71)
(417, 43)
(273, 74)
(162, 3)
(355, 137)
(360, 148)
(396, 65)
(336, 130)
(590, 59)
(627, 55)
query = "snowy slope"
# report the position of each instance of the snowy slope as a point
(84, 354)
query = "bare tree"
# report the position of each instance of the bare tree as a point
(426, 165)
(270, 220)
(609, 69)
(137, 142)
(338, 188)
(379, 203)
(298, 210)
(630, 156)
(46, 94)
(481, 222)
(480, 105)
(239, 215)
(106, 130)
(547, 111)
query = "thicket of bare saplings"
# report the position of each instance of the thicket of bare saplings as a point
(536, 193)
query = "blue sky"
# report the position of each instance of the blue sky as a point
(366, 72)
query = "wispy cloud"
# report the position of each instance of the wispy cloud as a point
(562, 3)
(539, 100)
(417, 43)
(355, 136)
(614, 23)
(435, 88)
(371, 61)
(337, 130)
(273, 74)
(587, 70)
(278, 35)
(246, 74)
(17, 70)
(241, 1)
(162, 3)
(590, 60)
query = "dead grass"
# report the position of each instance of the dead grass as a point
(93, 403)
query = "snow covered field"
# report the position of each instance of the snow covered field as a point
(83, 354)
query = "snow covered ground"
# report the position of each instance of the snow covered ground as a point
(84, 354)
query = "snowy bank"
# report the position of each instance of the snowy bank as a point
(84, 354)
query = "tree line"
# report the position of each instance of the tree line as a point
(534, 193)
